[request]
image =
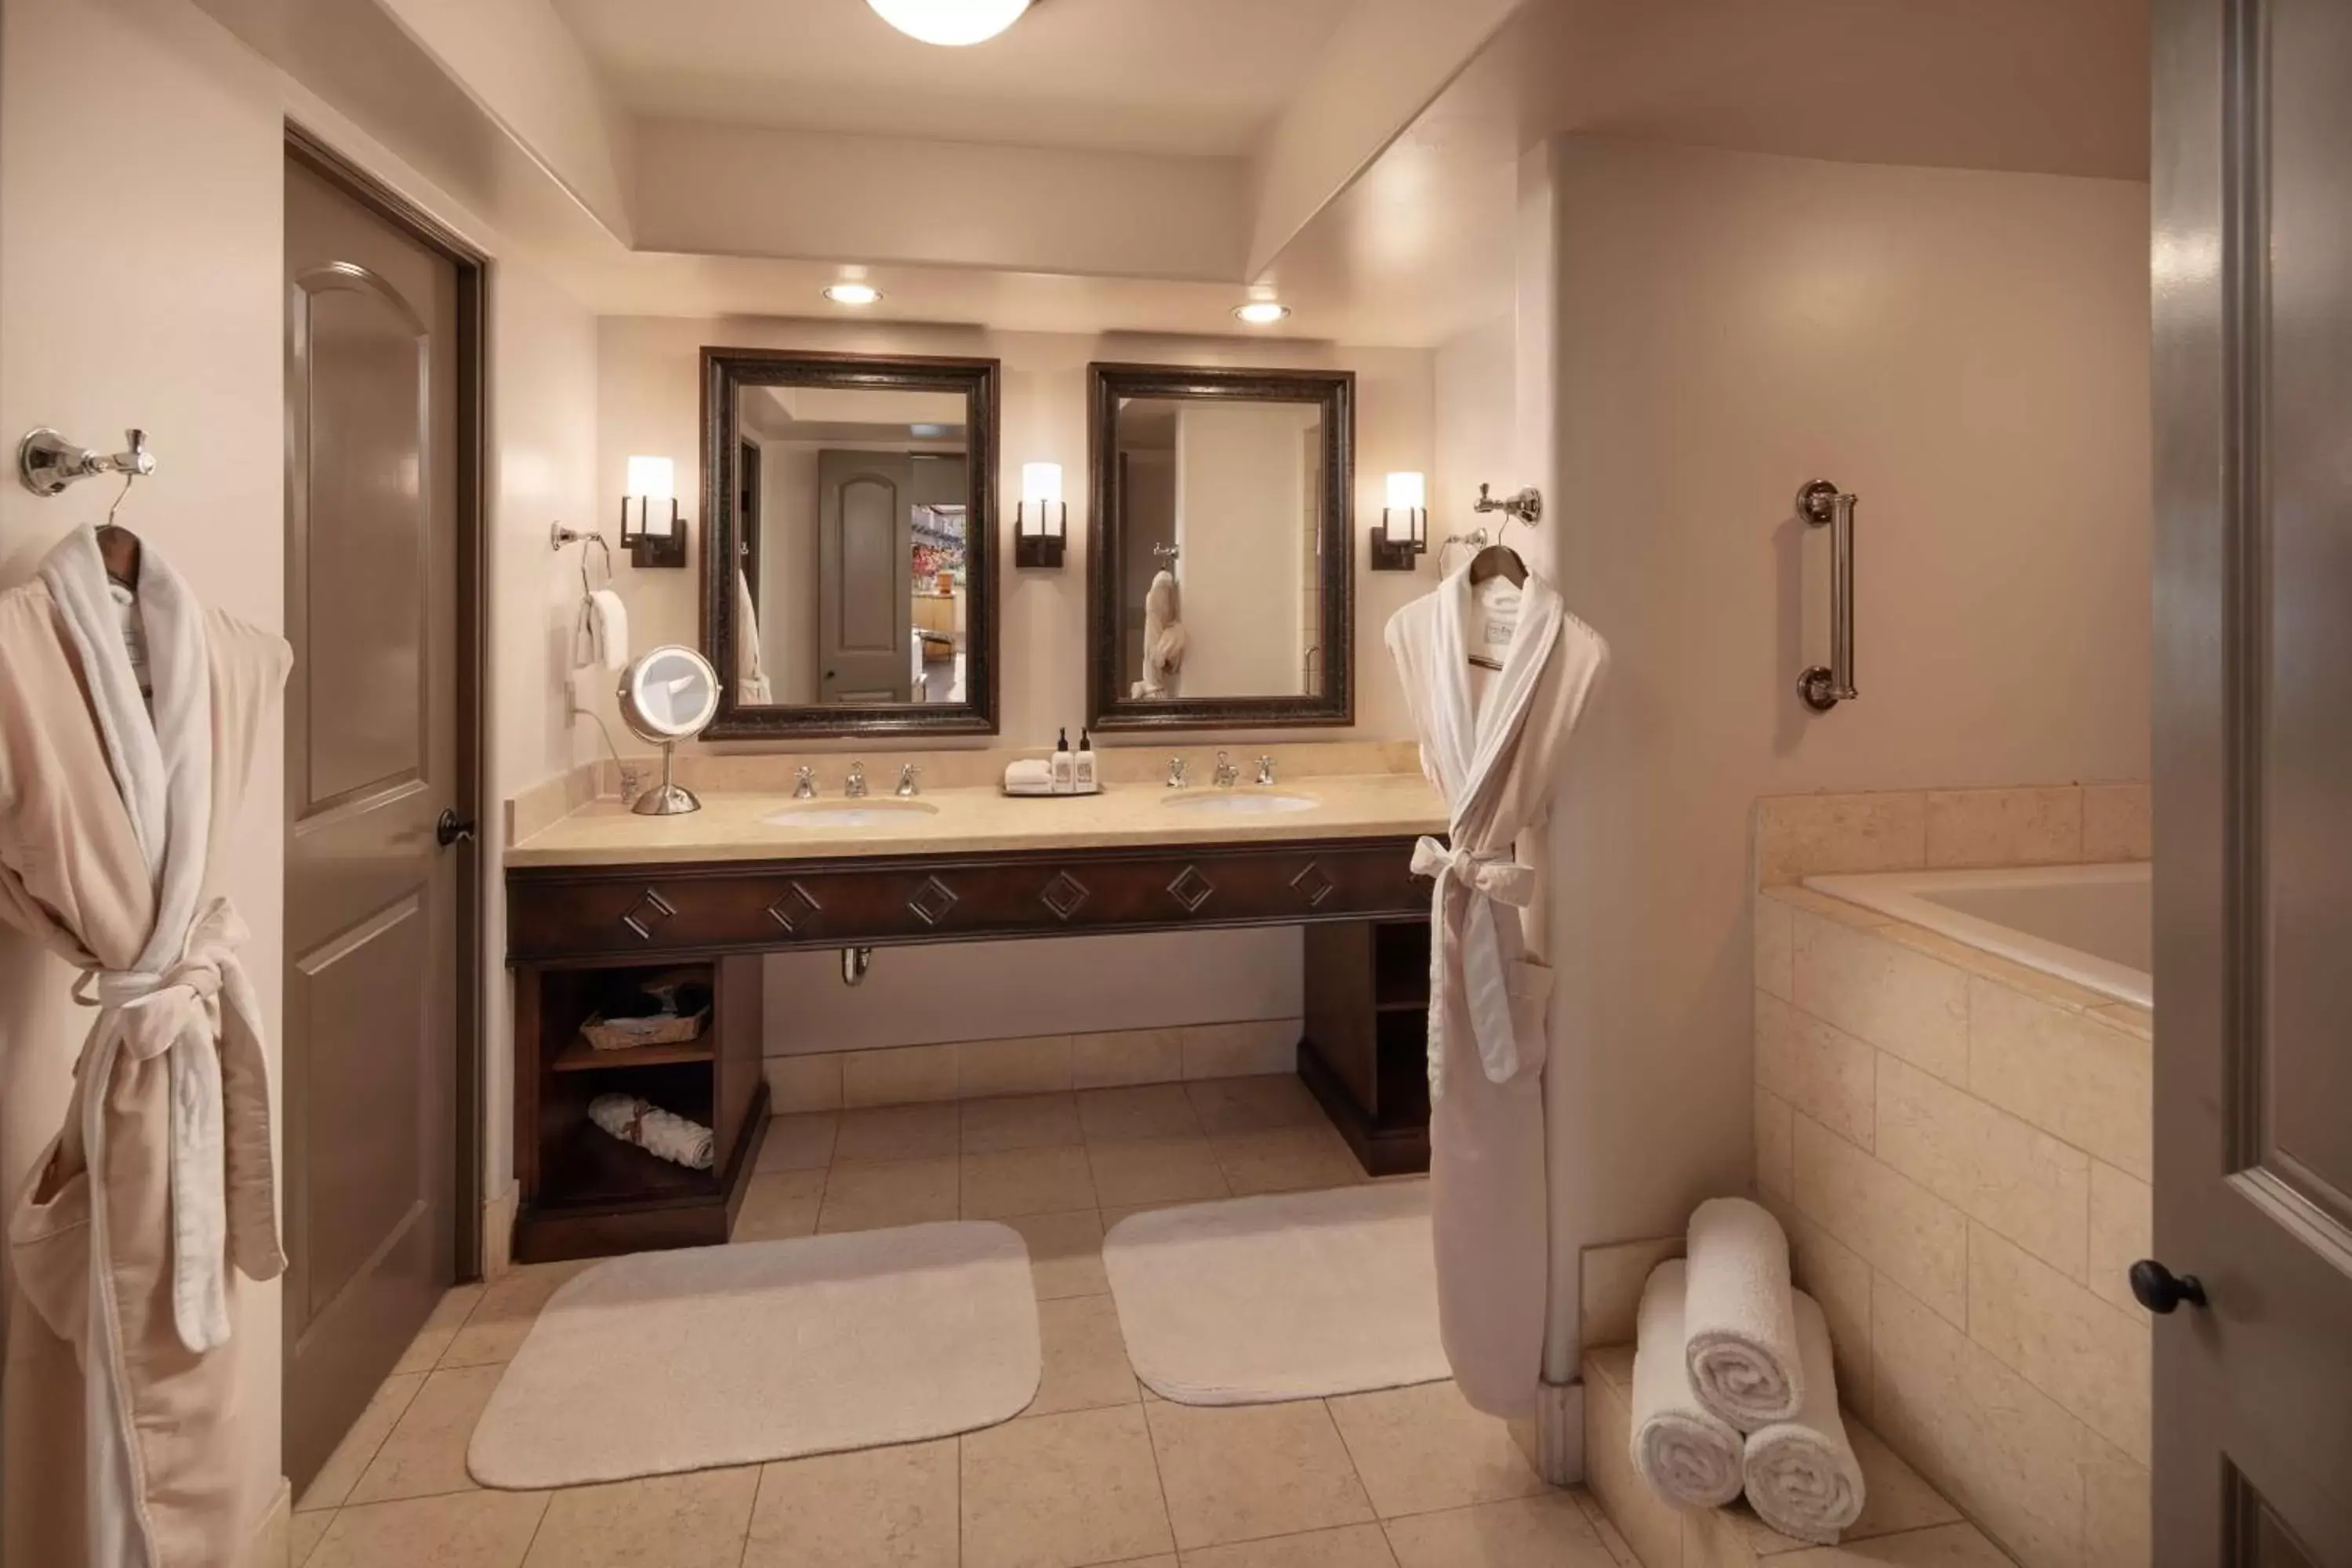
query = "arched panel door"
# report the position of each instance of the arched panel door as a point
(866, 544)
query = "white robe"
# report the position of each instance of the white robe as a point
(1496, 761)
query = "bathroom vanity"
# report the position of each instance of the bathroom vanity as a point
(604, 898)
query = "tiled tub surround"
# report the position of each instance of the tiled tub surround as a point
(1960, 1146)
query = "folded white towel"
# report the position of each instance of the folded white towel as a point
(656, 1132)
(1689, 1456)
(1801, 1475)
(1028, 775)
(1742, 1334)
(604, 637)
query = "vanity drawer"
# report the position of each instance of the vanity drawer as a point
(559, 914)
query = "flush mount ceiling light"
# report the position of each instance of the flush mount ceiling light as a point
(953, 23)
(1262, 313)
(853, 294)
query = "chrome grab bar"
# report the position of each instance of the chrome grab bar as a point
(1824, 505)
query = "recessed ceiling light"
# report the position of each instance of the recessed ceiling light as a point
(853, 294)
(1262, 313)
(954, 23)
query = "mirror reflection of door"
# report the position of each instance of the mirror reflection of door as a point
(865, 537)
(749, 475)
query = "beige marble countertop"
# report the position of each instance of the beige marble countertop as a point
(734, 825)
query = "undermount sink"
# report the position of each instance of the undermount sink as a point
(882, 813)
(1243, 803)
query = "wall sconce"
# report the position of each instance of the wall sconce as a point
(1042, 522)
(1403, 536)
(656, 540)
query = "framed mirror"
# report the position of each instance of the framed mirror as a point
(1221, 567)
(850, 561)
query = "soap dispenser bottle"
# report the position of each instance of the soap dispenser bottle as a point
(1083, 776)
(1065, 766)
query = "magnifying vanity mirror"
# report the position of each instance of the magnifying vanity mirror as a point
(1221, 572)
(667, 695)
(850, 569)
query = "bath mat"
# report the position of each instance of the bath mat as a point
(664, 1361)
(1290, 1296)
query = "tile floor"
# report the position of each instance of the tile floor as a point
(1096, 1471)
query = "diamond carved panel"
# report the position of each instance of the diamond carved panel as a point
(796, 909)
(1190, 889)
(931, 901)
(648, 914)
(1064, 895)
(1313, 884)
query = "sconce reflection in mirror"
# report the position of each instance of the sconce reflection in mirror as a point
(656, 540)
(1042, 522)
(1403, 536)
(666, 696)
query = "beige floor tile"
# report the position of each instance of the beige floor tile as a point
(1026, 1181)
(1242, 1049)
(470, 1530)
(1039, 1065)
(804, 1082)
(1545, 1531)
(1610, 1540)
(779, 1207)
(425, 1452)
(870, 1197)
(1085, 1357)
(1112, 1214)
(304, 1533)
(1139, 1111)
(501, 1320)
(661, 1521)
(1421, 1449)
(894, 1133)
(1125, 1057)
(1065, 1253)
(902, 1075)
(1062, 1490)
(1155, 1172)
(1351, 1546)
(802, 1142)
(882, 1508)
(1945, 1546)
(1021, 1121)
(1253, 1104)
(1243, 1471)
(1286, 1160)
(332, 1486)
(440, 1329)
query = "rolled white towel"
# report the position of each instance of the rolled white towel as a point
(1689, 1456)
(1742, 1334)
(1801, 1475)
(654, 1129)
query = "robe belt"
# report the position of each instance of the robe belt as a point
(178, 1014)
(1488, 877)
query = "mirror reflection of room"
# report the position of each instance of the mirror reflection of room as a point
(1219, 505)
(852, 508)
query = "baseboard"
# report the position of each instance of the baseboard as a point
(271, 1544)
(498, 1233)
(1553, 1437)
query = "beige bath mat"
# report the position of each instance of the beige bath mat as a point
(1292, 1296)
(665, 1362)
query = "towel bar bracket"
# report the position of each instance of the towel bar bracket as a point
(1821, 504)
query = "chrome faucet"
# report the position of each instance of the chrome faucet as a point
(855, 789)
(1265, 768)
(907, 772)
(1179, 774)
(1228, 773)
(804, 784)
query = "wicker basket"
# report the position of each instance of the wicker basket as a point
(604, 1037)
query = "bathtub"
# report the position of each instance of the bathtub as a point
(2089, 924)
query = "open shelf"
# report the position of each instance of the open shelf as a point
(581, 1057)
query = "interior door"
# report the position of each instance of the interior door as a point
(372, 932)
(747, 514)
(2252, 270)
(865, 547)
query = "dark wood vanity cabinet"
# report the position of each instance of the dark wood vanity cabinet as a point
(577, 935)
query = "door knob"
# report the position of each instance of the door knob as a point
(450, 828)
(2160, 1290)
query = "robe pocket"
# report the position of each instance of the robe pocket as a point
(1529, 983)
(48, 1246)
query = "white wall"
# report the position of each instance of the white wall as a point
(1968, 352)
(165, 309)
(1476, 439)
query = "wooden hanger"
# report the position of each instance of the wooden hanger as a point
(1498, 560)
(119, 547)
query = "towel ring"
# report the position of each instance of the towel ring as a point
(559, 536)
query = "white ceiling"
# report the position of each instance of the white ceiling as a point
(1201, 77)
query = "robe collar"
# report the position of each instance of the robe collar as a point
(1475, 735)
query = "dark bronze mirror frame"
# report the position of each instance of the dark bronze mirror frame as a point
(1108, 708)
(724, 371)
